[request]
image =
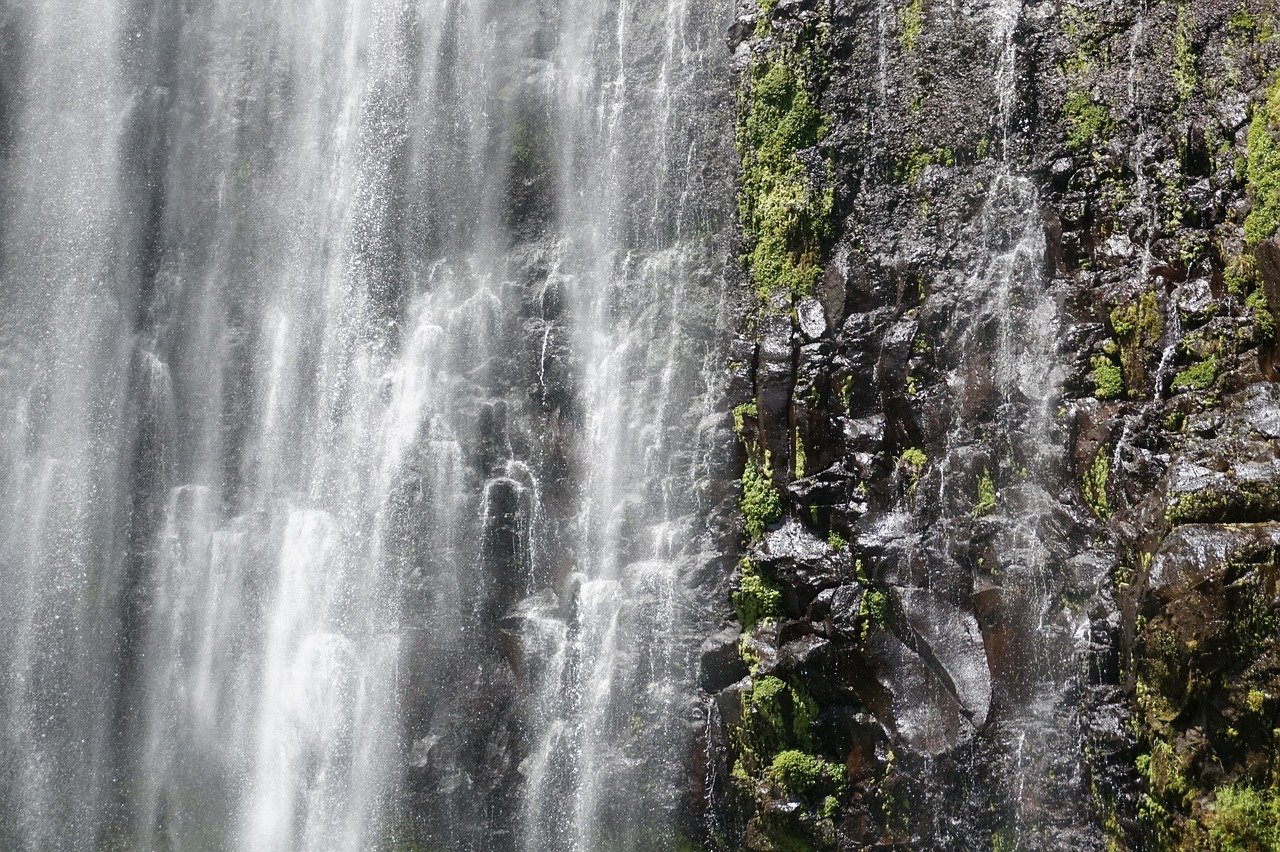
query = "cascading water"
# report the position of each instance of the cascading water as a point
(356, 365)
(1006, 388)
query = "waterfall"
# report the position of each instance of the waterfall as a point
(359, 362)
(1004, 386)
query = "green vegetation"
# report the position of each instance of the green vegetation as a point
(743, 413)
(1198, 376)
(1262, 169)
(799, 773)
(1088, 122)
(836, 541)
(1095, 484)
(917, 161)
(784, 214)
(914, 459)
(1108, 381)
(761, 504)
(874, 610)
(758, 598)
(986, 495)
(1253, 501)
(1244, 820)
(1264, 316)
(1243, 25)
(911, 19)
(799, 456)
(1184, 66)
(1139, 325)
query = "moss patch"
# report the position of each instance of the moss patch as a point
(758, 598)
(783, 210)
(761, 504)
(1262, 169)
(1108, 381)
(986, 495)
(1198, 376)
(1088, 122)
(1095, 484)
(1139, 326)
(911, 20)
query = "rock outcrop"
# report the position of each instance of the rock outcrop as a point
(1005, 396)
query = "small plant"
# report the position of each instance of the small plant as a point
(986, 495)
(1108, 381)
(874, 610)
(836, 541)
(914, 459)
(1095, 485)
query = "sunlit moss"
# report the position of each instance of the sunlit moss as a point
(784, 213)
(1262, 170)
(911, 19)
(757, 598)
(761, 504)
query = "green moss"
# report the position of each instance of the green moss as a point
(911, 19)
(1088, 122)
(916, 162)
(1184, 65)
(758, 598)
(1139, 325)
(914, 459)
(1198, 376)
(743, 413)
(1095, 484)
(830, 807)
(986, 495)
(1108, 381)
(761, 504)
(776, 716)
(799, 457)
(874, 609)
(836, 541)
(1243, 25)
(1194, 505)
(799, 773)
(784, 215)
(1262, 169)
(1264, 317)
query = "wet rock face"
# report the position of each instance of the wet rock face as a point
(1012, 450)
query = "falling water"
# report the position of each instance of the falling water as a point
(356, 359)
(1008, 305)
